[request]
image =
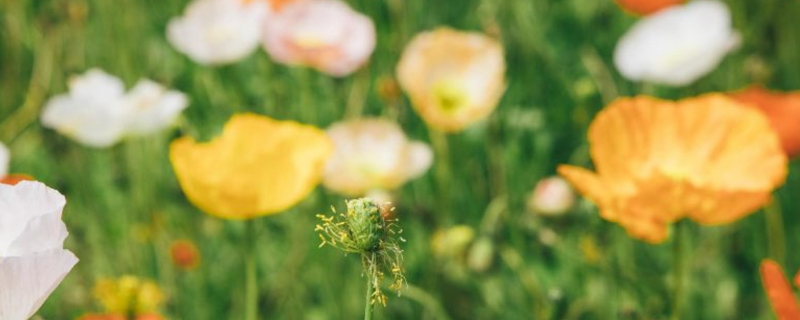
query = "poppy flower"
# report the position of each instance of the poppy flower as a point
(678, 45)
(184, 254)
(326, 35)
(783, 111)
(706, 158)
(258, 166)
(33, 260)
(779, 291)
(452, 78)
(97, 111)
(645, 7)
(372, 154)
(93, 112)
(214, 32)
(128, 295)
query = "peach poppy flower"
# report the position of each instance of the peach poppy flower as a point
(645, 7)
(782, 109)
(258, 166)
(452, 78)
(552, 196)
(323, 34)
(706, 158)
(779, 291)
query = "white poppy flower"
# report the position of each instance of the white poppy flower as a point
(677, 45)
(5, 158)
(33, 260)
(218, 31)
(93, 112)
(372, 154)
(324, 34)
(153, 107)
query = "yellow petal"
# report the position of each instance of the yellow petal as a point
(258, 166)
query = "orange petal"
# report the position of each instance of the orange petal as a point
(645, 7)
(13, 179)
(782, 109)
(797, 279)
(778, 291)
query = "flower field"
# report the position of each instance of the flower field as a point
(399, 159)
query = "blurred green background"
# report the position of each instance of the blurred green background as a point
(125, 207)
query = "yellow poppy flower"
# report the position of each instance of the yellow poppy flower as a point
(452, 78)
(258, 166)
(706, 158)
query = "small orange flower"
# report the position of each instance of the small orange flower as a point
(258, 166)
(645, 7)
(778, 291)
(452, 78)
(783, 111)
(184, 254)
(706, 158)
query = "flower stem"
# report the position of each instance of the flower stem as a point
(250, 289)
(678, 269)
(368, 298)
(776, 240)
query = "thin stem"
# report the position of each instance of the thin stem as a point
(441, 171)
(250, 287)
(678, 268)
(426, 300)
(776, 239)
(368, 297)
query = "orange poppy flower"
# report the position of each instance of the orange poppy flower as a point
(782, 109)
(258, 166)
(778, 291)
(706, 158)
(645, 7)
(184, 254)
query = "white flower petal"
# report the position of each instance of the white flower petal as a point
(153, 107)
(372, 154)
(218, 31)
(92, 113)
(30, 206)
(27, 281)
(678, 45)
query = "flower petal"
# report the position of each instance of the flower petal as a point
(29, 280)
(778, 291)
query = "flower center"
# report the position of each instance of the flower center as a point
(449, 94)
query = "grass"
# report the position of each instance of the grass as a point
(125, 207)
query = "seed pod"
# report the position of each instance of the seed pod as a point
(366, 226)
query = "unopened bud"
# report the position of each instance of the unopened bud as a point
(481, 255)
(552, 196)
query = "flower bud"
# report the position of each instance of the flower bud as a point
(551, 197)
(365, 223)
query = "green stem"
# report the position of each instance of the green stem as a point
(776, 239)
(678, 268)
(250, 287)
(442, 172)
(426, 300)
(368, 297)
